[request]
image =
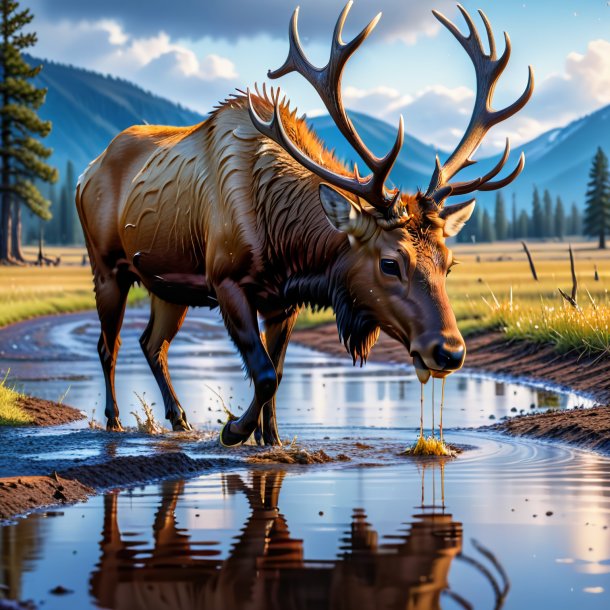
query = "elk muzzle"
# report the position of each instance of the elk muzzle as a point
(437, 355)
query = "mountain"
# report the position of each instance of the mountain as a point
(414, 165)
(89, 109)
(558, 160)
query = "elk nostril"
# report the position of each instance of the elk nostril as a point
(448, 359)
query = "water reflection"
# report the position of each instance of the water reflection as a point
(266, 566)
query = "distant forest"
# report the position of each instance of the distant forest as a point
(64, 227)
(548, 218)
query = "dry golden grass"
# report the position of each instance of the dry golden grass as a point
(28, 291)
(491, 288)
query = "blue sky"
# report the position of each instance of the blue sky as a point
(197, 51)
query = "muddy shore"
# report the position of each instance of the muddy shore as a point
(492, 353)
(48, 413)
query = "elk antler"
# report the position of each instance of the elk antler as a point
(327, 83)
(488, 68)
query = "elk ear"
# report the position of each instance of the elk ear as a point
(337, 207)
(455, 217)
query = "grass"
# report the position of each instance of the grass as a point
(11, 414)
(29, 292)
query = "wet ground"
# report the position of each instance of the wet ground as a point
(509, 523)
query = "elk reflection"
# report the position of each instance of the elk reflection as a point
(266, 568)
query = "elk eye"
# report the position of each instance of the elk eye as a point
(390, 267)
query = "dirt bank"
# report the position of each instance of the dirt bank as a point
(491, 352)
(47, 412)
(19, 495)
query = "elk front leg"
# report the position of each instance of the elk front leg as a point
(241, 322)
(277, 336)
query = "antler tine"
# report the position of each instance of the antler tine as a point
(488, 69)
(274, 129)
(492, 186)
(490, 35)
(327, 83)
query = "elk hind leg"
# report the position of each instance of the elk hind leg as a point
(111, 291)
(165, 321)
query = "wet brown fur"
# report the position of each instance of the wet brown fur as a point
(218, 214)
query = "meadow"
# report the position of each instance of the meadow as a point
(491, 288)
(30, 291)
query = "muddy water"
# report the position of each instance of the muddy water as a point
(510, 523)
(58, 357)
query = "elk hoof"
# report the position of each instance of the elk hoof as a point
(228, 438)
(181, 425)
(114, 425)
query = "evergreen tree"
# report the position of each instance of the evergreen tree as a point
(500, 222)
(575, 220)
(514, 226)
(487, 228)
(523, 225)
(597, 212)
(537, 224)
(560, 219)
(548, 227)
(21, 154)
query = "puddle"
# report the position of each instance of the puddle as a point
(510, 523)
(316, 390)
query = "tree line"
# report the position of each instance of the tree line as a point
(548, 217)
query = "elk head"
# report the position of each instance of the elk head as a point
(398, 260)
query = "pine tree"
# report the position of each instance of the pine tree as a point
(523, 225)
(514, 227)
(597, 212)
(560, 219)
(21, 154)
(548, 226)
(575, 220)
(487, 228)
(500, 222)
(537, 220)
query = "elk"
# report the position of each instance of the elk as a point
(249, 212)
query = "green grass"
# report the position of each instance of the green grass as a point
(11, 414)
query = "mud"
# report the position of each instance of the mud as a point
(20, 495)
(290, 455)
(129, 470)
(584, 428)
(47, 412)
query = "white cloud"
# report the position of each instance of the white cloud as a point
(154, 62)
(230, 19)
(439, 115)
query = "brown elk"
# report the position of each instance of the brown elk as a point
(249, 212)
